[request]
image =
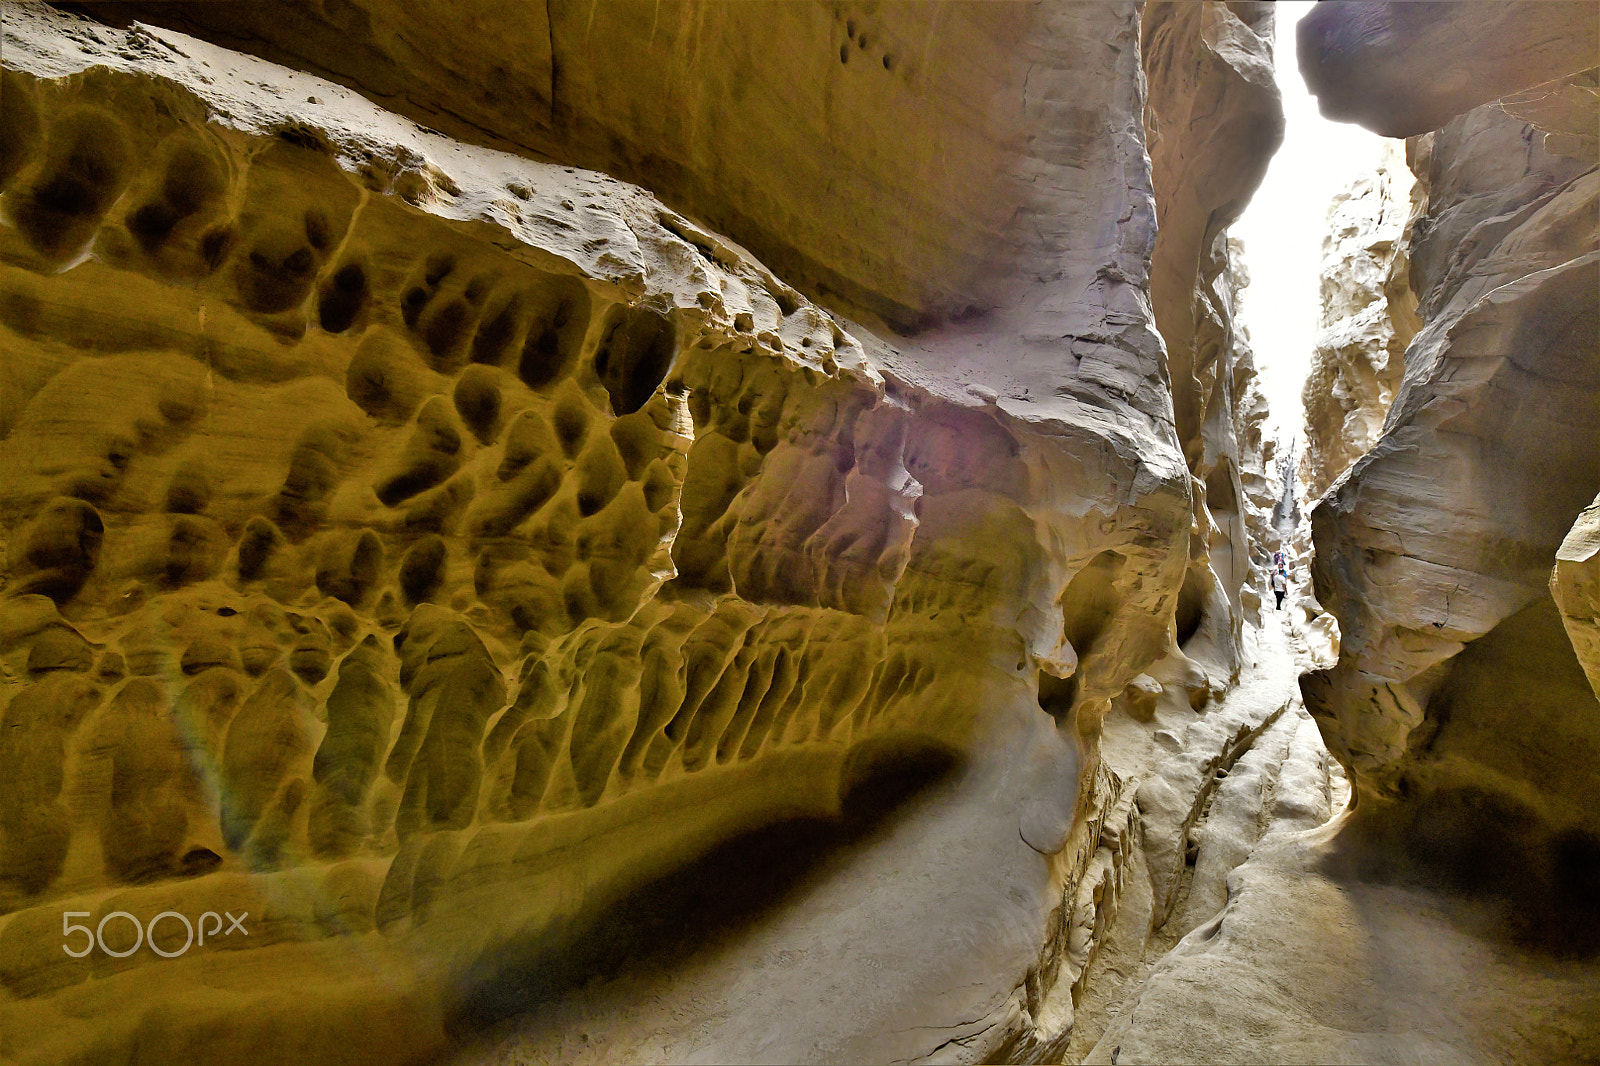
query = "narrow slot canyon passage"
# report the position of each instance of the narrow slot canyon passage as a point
(1309, 951)
(804, 532)
(1252, 772)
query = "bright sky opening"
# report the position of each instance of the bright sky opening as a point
(1283, 226)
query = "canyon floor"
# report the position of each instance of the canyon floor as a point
(1313, 962)
(1306, 962)
(1305, 966)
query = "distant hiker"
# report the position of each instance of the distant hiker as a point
(1280, 586)
(1277, 559)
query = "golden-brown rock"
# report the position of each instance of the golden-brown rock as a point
(890, 157)
(1575, 584)
(473, 541)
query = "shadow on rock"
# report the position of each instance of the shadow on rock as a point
(713, 899)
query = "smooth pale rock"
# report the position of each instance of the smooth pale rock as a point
(1047, 818)
(1304, 945)
(1213, 119)
(1213, 785)
(1393, 974)
(1575, 584)
(1232, 825)
(1472, 750)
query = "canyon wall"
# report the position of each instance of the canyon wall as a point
(1212, 122)
(1402, 69)
(420, 548)
(1368, 317)
(910, 166)
(1458, 702)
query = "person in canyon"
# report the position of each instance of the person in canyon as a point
(1280, 585)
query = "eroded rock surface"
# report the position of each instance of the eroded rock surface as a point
(425, 550)
(1448, 914)
(1216, 787)
(1368, 318)
(884, 155)
(1213, 120)
(1458, 702)
(1312, 964)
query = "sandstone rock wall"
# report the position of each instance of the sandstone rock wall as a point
(1575, 584)
(1213, 120)
(891, 158)
(1458, 701)
(1402, 69)
(1261, 463)
(420, 548)
(1368, 318)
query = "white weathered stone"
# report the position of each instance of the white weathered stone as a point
(1368, 318)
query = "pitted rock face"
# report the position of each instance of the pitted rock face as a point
(884, 156)
(420, 548)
